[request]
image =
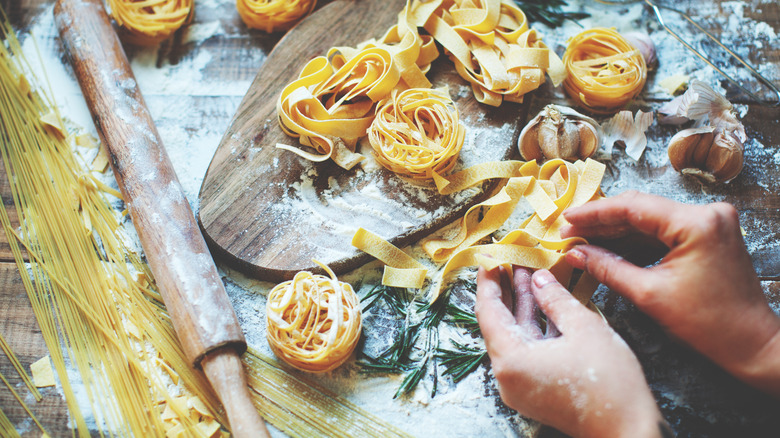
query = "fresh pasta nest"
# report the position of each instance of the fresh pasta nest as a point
(416, 133)
(149, 22)
(273, 15)
(313, 321)
(604, 71)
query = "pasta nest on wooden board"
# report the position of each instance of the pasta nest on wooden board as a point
(604, 71)
(417, 133)
(313, 321)
(273, 15)
(149, 22)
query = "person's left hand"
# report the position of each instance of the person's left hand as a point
(582, 380)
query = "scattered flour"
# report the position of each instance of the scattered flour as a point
(172, 87)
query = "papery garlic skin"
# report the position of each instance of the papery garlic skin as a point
(559, 132)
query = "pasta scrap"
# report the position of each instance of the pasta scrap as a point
(604, 71)
(148, 22)
(273, 15)
(313, 321)
(416, 133)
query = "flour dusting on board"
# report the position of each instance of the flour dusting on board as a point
(178, 90)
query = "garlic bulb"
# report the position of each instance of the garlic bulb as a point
(708, 153)
(559, 132)
(713, 152)
(646, 47)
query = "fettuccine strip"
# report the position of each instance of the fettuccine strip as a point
(148, 22)
(604, 71)
(313, 321)
(273, 15)
(416, 133)
(491, 45)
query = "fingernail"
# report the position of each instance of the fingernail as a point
(576, 258)
(542, 278)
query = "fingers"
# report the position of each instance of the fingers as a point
(616, 273)
(495, 319)
(565, 312)
(526, 310)
(619, 215)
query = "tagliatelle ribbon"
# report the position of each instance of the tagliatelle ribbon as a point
(273, 15)
(416, 133)
(331, 104)
(550, 189)
(313, 321)
(491, 45)
(150, 21)
(401, 270)
(604, 71)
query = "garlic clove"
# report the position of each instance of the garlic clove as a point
(644, 43)
(589, 140)
(684, 144)
(725, 158)
(559, 132)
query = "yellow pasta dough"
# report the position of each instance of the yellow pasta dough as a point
(273, 15)
(331, 104)
(604, 71)
(313, 321)
(147, 22)
(416, 133)
(491, 45)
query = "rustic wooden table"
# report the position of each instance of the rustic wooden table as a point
(698, 398)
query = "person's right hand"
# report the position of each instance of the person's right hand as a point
(704, 291)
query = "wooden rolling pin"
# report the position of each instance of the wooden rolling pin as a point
(189, 283)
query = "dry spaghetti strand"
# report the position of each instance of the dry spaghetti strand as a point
(416, 133)
(313, 321)
(273, 15)
(148, 22)
(604, 71)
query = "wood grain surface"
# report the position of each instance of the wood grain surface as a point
(253, 210)
(699, 399)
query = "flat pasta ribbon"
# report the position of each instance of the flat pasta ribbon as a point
(416, 133)
(313, 321)
(537, 244)
(148, 22)
(273, 15)
(331, 104)
(604, 71)
(491, 45)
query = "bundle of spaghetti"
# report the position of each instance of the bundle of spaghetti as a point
(491, 45)
(273, 15)
(536, 243)
(96, 303)
(603, 70)
(331, 104)
(320, 412)
(148, 22)
(313, 322)
(417, 133)
(89, 293)
(7, 428)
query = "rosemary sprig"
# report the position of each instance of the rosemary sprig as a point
(461, 361)
(549, 12)
(462, 318)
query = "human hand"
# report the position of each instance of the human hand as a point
(704, 291)
(585, 382)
